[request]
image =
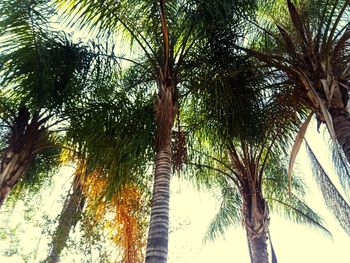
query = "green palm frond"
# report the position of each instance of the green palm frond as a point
(283, 201)
(24, 21)
(229, 213)
(42, 64)
(294, 209)
(333, 199)
(275, 179)
(115, 137)
(133, 20)
(230, 98)
(45, 76)
(206, 171)
(323, 17)
(190, 24)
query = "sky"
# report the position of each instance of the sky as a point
(190, 214)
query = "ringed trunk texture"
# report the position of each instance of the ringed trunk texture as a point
(68, 218)
(157, 241)
(341, 124)
(257, 224)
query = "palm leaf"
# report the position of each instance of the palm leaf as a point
(228, 214)
(296, 210)
(333, 199)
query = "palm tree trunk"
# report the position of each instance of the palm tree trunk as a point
(157, 242)
(257, 224)
(341, 123)
(25, 138)
(68, 218)
(12, 167)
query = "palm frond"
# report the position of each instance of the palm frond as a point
(333, 199)
(24, 21)
(275, 179)
(115, 135)
(228, 214)
(284, 200)
(294, 209)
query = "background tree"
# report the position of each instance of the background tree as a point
(37, 69)
(308, 41)
(240, 141)
(71, 213)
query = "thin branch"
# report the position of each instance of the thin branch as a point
(217, 170)
(139, 42)
(217, 160)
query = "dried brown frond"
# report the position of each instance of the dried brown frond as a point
(287, 40)
(297, 20)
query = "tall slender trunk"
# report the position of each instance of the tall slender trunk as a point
(341, 124)
(256, 222)
(68, 218)
(157, 242)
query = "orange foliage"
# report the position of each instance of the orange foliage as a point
(122, 216)
(128, 225)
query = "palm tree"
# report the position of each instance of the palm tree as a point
(243, 131)
(111, 137)
(38, 69)
(165, 32)
(69, 216)
(308, 45)
(308, 42)
(103, 132)
(45, 72)
(114, 133)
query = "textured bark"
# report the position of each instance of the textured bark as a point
(341, 123)
(157, 242)
(12, 168)
(68, 218)
(257, 223)
(25, 138)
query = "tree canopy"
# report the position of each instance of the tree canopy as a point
(130, 93)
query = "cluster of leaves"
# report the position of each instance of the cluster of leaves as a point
(123, 217)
